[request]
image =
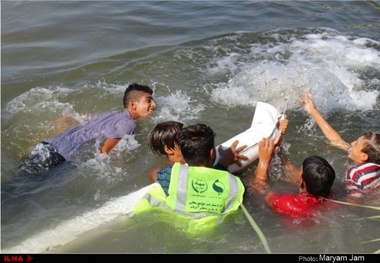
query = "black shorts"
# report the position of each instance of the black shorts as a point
(42, 157)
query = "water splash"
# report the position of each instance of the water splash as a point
(329, 64)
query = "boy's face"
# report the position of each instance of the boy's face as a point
(145, 105)
(356, 153)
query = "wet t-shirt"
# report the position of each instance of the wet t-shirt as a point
(294, 205)
(108, 125)
(362, 179)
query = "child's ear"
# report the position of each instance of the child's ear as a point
(364, 157)
(212, 153)
(302, 186)
(169, 151)
(133, 104)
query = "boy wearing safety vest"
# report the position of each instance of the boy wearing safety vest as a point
(162, 141)
(195, 188)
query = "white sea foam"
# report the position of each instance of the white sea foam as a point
(327, 64)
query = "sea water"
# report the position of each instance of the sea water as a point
(208, 62)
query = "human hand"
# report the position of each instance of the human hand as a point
(266, 148)
(308, 103)
(231, 154)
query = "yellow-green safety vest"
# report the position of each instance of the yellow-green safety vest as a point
(194, 190)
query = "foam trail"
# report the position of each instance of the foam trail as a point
(71, 229)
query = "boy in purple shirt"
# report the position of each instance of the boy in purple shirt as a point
(111, 126)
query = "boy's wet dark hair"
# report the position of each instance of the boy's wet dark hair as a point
(164, 133)
(130, 93)
(196, 142)
(318, 176)
(372, 146)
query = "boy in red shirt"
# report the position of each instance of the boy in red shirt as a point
(315, 179)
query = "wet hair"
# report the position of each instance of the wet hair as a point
(135, 91)
(164, 133)
(372, 146)
(196, 142)
(318, 175)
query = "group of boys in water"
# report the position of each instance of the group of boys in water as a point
(192, 183)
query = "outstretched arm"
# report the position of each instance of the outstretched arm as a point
(332, 135)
